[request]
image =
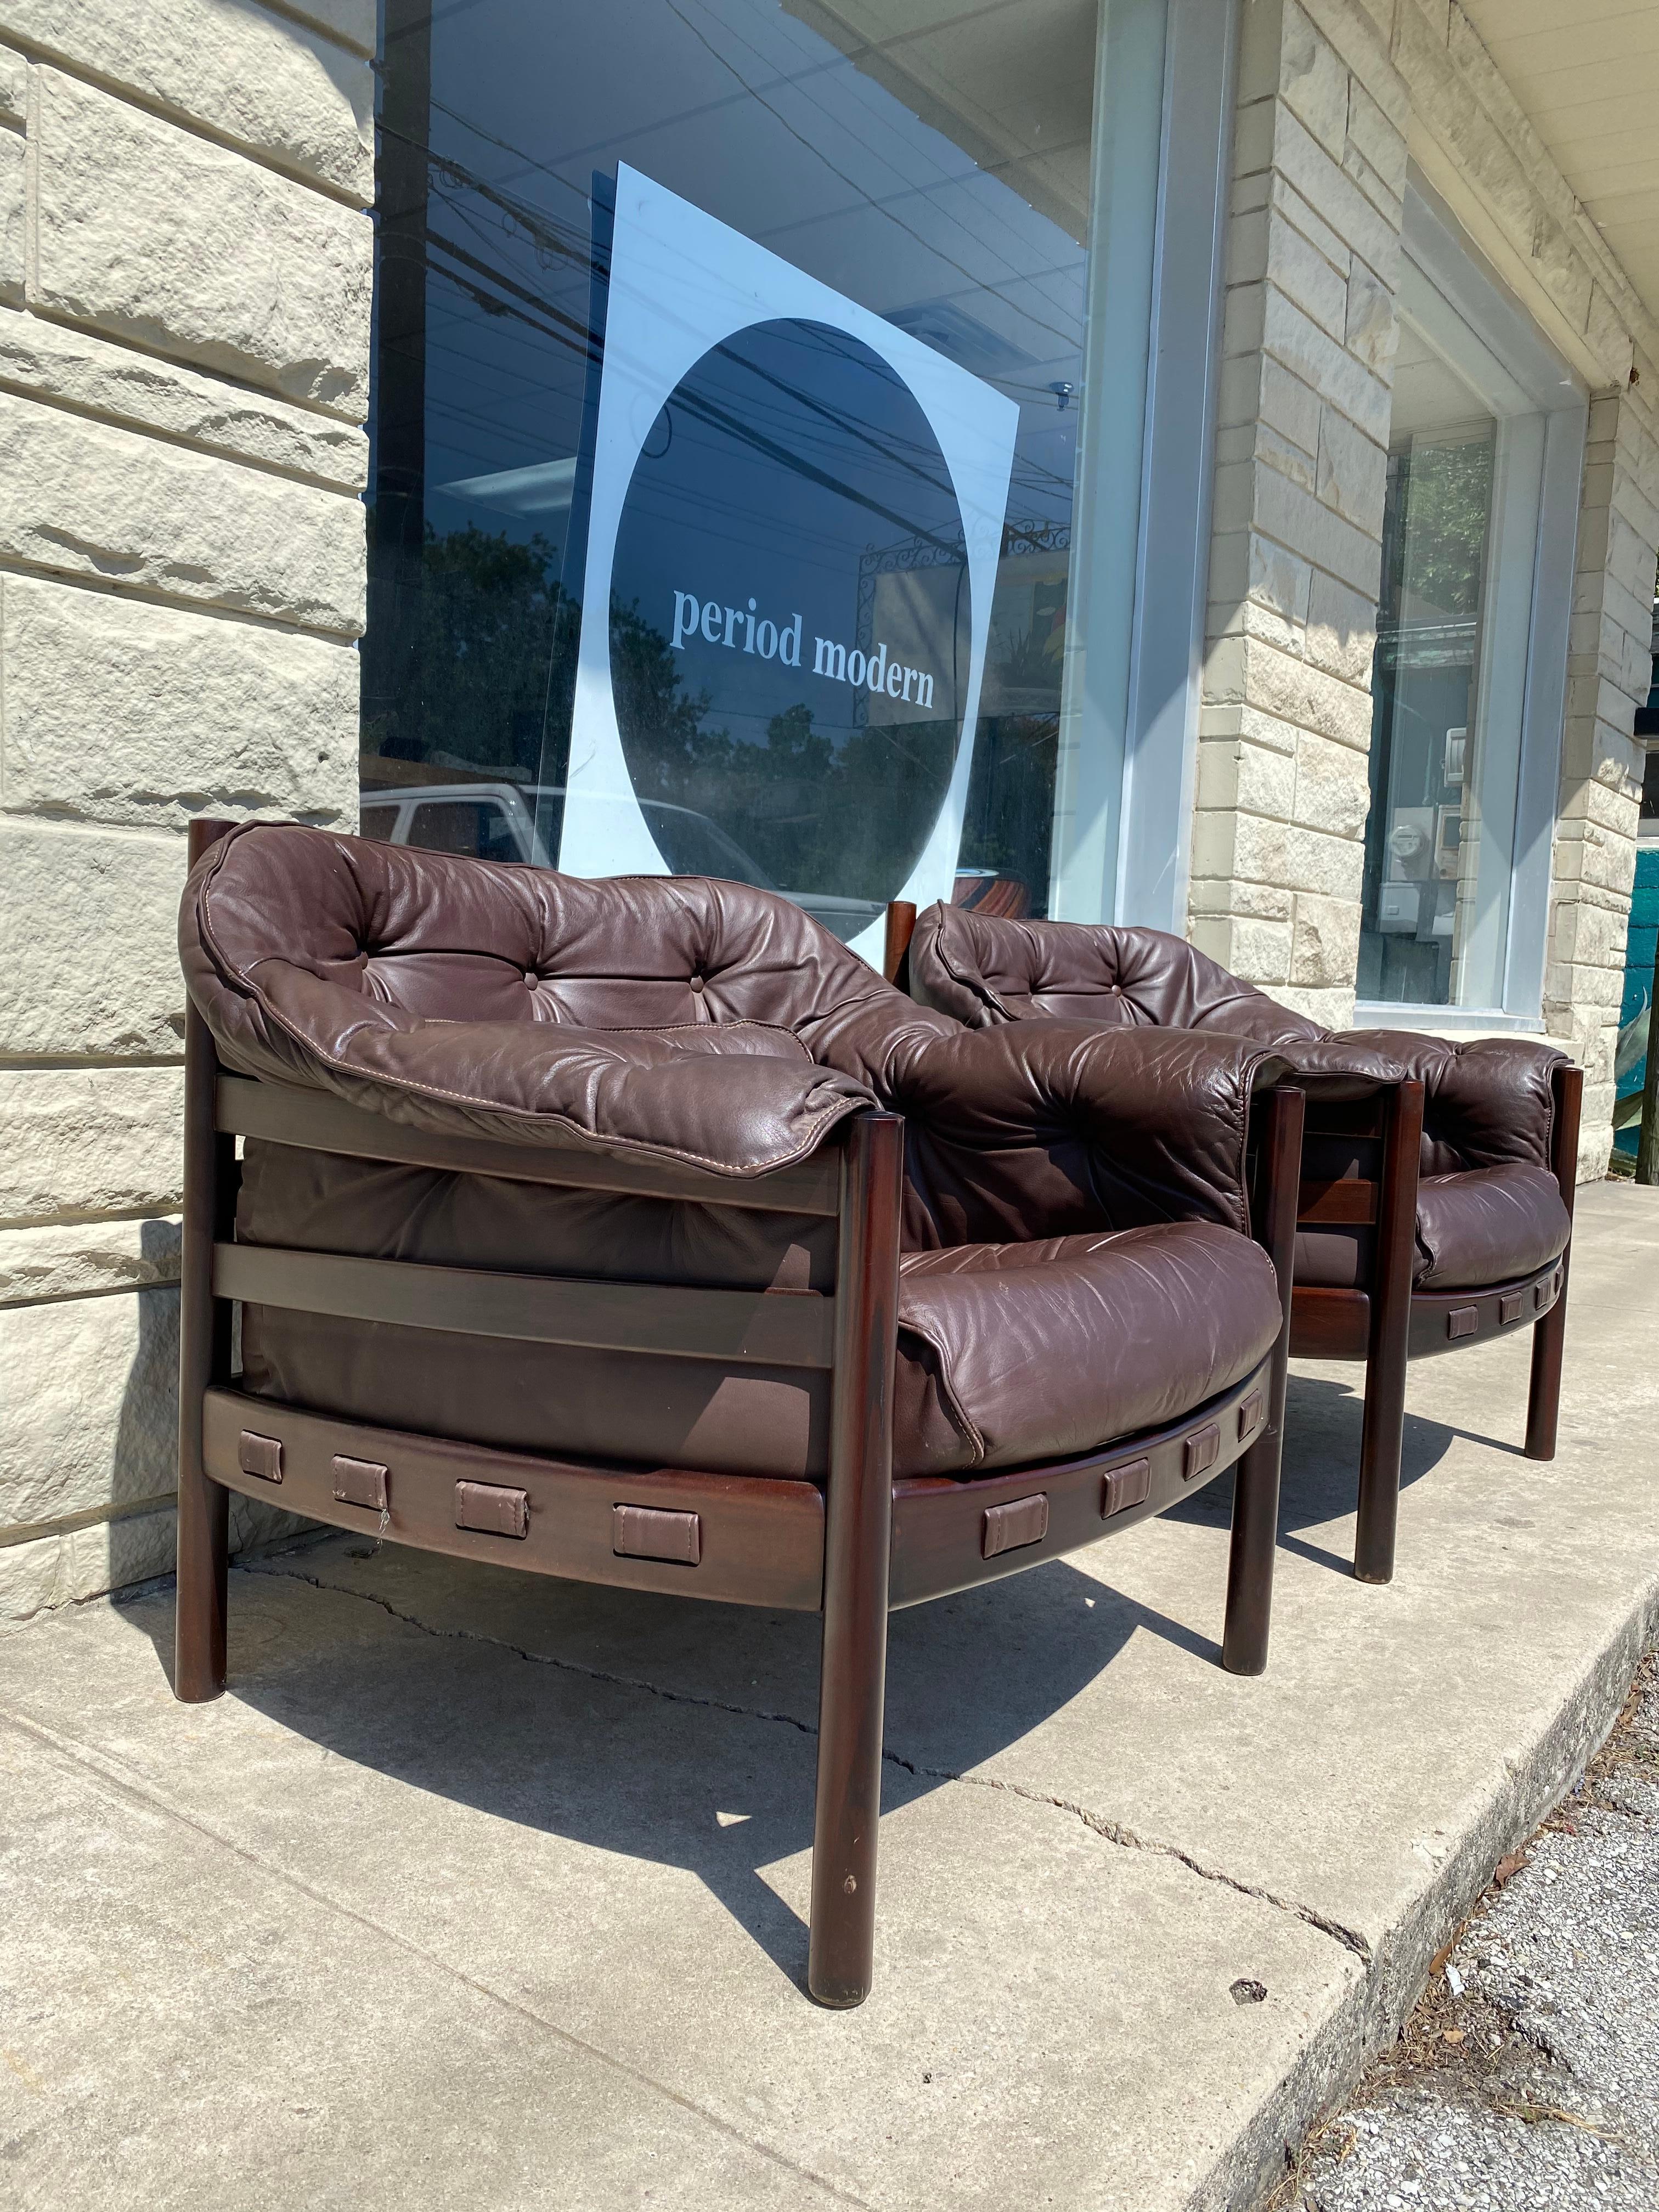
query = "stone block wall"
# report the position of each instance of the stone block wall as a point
(1335, 97)
(185, 285)
(1313, 264)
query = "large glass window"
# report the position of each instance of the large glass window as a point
(1470, 652)
(837, 628)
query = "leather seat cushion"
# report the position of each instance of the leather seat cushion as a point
(1006, 1353)
(1017, 1352)
(1484, 1225)
(1488, 1225)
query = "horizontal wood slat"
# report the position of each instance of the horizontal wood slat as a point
(759, 1327)
(1349, 1203)
(285, 1115)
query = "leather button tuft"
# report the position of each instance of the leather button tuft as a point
(532, 977)
(696, 983)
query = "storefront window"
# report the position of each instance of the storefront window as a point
(1469, 658)
(732, 360)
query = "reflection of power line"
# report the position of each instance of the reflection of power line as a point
(885, 208)
(706, 410)
(568, 330)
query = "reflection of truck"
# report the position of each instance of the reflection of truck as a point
(499, 821)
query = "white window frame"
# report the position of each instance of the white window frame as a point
(1128, 751)
(1540, 402)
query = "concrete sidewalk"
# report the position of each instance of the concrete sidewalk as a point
(486, 1891)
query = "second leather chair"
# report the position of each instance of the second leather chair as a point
(1438, 1175)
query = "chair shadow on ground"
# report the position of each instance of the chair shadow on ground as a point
(695, 1749)
(682, 1733)
(1319, 1481)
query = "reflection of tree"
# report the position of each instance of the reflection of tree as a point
(815, 813)
(1441, 499)
(1009, 823)
(492, 619)
(646, 686)
(493, 672)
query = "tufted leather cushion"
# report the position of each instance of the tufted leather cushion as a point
(460, 995)
(1487, 1102)
(1006, 1354)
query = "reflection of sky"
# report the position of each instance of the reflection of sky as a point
(756, 118)
(712, 513)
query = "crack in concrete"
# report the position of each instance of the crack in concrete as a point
(1114, 1832)
(1111, 1832)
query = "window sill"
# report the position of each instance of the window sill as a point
(1444, 1021)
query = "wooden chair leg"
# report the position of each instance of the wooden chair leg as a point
(1549, 1335)
(1255, 1484)
(857, 1542)
(1382, 1430)
(199, 1665)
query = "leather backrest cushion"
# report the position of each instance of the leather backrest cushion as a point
(459, 939)
(986, 969)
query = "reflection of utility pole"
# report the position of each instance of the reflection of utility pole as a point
(391, 649)
(1647, 1149)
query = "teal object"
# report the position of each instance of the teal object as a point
(1640, 948)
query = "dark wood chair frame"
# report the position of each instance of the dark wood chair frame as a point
(851, 1549)
(1360, 1170)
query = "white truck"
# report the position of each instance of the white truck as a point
(521, 822)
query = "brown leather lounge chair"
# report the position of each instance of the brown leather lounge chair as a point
(637, 1232)
(1436, 1208)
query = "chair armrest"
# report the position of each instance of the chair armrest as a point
(1339, 1066)
(1486, 1104)
(1054, 1129)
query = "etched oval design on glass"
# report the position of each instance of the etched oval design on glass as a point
(790, 622)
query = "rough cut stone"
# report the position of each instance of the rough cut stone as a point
(13, 87)
(1371, 332)
(1323, 185)
(1353, 471)
(189, 248)
(1333, 787)
(89, 1417)
(90, 959)
(1379, 140)
(1314, 81)
(1325, 949)
(1317, 532)
(352, 22)
(89, 1140)
(1341, 633)
(89, 500)
(85, 1259)
(145, 393)
(119, 711)
(1324, 362)
(1303, 274)
(275, 86)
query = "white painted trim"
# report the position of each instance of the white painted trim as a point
(1469, 315)
(1172, 582)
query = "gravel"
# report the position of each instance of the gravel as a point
(1528, 2078)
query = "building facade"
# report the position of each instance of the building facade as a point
(1181, 461)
